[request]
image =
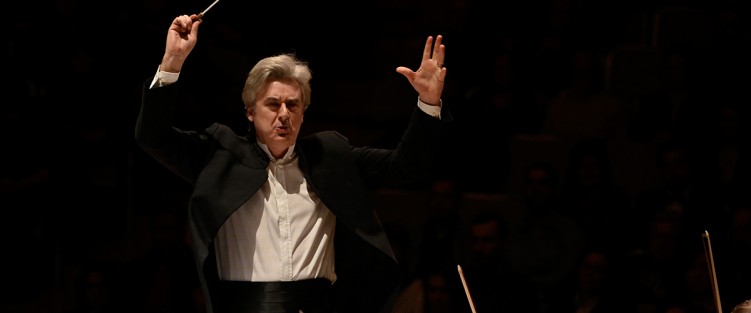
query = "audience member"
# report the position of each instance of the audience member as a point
(503, 110)
(495, 286)
(439, 237)
(728, 147)
(696, 292)
(584, 109)
(437, 289)
(596, 287)
(546, 245)
(95, 289)
(687, 187)
(743, 307)
(732, 250)
(678, 108)
(593, 197)
(654, 272)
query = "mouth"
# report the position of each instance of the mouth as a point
(282, 130)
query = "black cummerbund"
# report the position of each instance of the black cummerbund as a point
(308, 296)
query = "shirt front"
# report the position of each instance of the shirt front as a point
(282, 233)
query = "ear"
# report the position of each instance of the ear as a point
(249, 113)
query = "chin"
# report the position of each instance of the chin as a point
(283, 139)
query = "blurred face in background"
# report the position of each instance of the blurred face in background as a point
(438, 297)
(485, 241)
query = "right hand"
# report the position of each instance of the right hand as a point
(181, 38)
(428, 79)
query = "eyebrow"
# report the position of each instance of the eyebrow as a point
(277, 99)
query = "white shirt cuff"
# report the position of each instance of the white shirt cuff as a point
(163, 78)
(434, 111)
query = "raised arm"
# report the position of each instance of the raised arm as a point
(181, 38)
(428, 79)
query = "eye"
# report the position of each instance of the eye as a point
(273, 105)
(292, 105)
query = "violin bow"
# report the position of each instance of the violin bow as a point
(712, 273)
(466, 288)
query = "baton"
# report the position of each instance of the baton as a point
(200, 15)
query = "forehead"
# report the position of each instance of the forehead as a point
(280, 89)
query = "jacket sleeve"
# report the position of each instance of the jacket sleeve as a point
(182, 152)
(413, 159)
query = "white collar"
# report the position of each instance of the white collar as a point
(287, 156)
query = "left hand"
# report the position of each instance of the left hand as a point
(428, 79)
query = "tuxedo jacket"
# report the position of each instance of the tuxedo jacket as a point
(225, 169)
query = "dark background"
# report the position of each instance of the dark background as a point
(527, 80)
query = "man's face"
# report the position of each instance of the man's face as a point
(277, 116)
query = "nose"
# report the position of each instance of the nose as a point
(283, 113)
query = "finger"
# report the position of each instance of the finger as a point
(196, 24)
(184, 20)
(441, 55)
(182, 23)
(428, 48)
(436, 45)
(438, 49)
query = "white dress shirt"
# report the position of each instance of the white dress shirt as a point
(283, 233)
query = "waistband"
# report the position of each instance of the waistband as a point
(310, 295)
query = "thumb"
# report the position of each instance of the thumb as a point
(196, 24)
(405, 71)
